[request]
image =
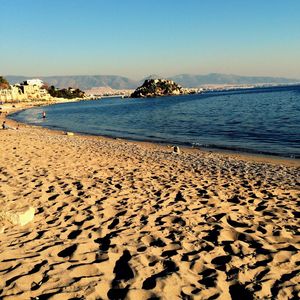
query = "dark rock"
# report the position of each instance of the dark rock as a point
(157, 88)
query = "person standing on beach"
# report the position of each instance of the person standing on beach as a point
(5, 126)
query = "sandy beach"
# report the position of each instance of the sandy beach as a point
(115, 219)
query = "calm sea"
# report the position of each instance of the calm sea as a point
(263, 121)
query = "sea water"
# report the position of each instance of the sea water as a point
(262, 120)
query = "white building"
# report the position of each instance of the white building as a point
(37, 82)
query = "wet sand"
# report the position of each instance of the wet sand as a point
(117, 219)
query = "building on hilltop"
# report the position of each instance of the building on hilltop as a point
(36, 81)
(27, 91)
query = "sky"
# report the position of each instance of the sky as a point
(136, 38)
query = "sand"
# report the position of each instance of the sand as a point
(117, 219)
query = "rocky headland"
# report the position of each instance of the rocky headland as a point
(157, 88)
(36, 90)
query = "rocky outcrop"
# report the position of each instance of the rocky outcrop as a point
(23, 92)
(157, 88)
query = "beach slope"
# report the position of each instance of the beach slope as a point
(116, 219)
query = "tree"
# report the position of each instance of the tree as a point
(69, 93)
(4, 84)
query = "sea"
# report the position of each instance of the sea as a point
(257, 120)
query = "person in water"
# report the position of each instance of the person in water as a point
(44, 115)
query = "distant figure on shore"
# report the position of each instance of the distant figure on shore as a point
(44, 115)
(5, 126)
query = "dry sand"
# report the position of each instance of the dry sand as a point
(117, 219)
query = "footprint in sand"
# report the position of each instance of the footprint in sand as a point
(123, 273)
(209, 278)
(113, 224)
(74, 234)
(53, 197)
(238, 291)
(169, 268)
(67, 251)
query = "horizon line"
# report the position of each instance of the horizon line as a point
(145, 76)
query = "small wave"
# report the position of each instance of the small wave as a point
(243, 150)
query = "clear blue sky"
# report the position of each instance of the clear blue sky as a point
(136, 38)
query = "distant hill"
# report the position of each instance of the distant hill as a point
(86, 82)
(83, 82)
(188, 80)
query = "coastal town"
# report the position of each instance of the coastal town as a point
(25, 91)
(57, 88)
(35, 90)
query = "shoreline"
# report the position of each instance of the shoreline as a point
(247, 156)
(88, 217)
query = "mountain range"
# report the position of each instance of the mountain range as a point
(86, 82)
